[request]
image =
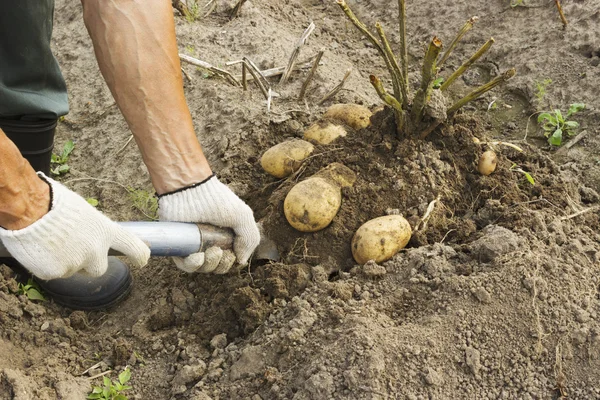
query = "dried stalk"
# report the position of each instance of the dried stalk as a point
(481, 90)
(217, 71)
(236, 9)
(260, 80)
(429, 72)
(397, 77)
(244, 77)
(336, 89)
(403, 46)
(461, 70)
(311, 74)
(465, 28)
(268, 73)
(295, 53)
(561, 13)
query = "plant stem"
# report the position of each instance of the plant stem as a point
(403, 47)
(391, 101)
(561, 13)
(428, 74)
(365, 31)
(465, 28)
(397, 77)
(312, 72)
(481, 90)
(461, 70)
(385, 96)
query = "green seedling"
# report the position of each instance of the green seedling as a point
(145, 202)
(516, 3)
(438, 83)
(31, 290)
(112, 390)
(528, 176)
(92, 201)
(60, 161)
(193, 11)
(556, 126)
(540, 90)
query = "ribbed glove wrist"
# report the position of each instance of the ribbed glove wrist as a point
(72, 236)
(212, 202)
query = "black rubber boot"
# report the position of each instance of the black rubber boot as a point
(80, 292)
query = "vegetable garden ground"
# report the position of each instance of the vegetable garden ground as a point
(497, 298)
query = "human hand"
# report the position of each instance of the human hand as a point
(72, 236)
(212, 202)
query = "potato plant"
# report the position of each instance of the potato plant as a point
(414, 116)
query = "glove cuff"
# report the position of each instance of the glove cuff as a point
(187, 187)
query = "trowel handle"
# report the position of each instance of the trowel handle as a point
(172, 238)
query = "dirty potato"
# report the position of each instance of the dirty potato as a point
(285, 158)
(380, 239)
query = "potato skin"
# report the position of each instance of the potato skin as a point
(487, 163)
(324, 132)
(284, 158)
(380, 239)
(355, 116)
(312, 204)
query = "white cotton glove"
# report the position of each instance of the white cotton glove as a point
(72, 236)
(211, 202)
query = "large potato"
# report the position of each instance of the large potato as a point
(355, 116)
(312, 204)
(324, 132)
(380, 238)
(284, 158)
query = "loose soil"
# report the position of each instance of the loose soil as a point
(497, 297)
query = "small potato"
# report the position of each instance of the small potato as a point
(487, 163)
(324, 132)
(312, 204)
(355, 116)
(380, 239)
(284, 158)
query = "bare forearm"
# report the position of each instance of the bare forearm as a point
(24, 197)
(135, 45)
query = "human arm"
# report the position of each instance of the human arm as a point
(52, 231)
(136, 49)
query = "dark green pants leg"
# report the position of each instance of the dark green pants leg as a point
(31, 84)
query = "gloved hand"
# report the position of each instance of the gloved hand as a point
(72, 236)
(211, 202)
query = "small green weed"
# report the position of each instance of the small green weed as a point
(193, 11)
(516, 168)
(556, 125)
(92, 201)
(516, 3)
(32, 290)
(540, 90)
(438, 82)
(145, 202)
(112, 390)
(60, 161)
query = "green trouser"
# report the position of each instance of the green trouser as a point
(31, 84)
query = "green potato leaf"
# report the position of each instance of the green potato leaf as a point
(125, 376)
(575, 108)
(556, 138)
(547, 116)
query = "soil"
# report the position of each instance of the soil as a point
(496, 298)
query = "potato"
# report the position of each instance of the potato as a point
(312, 204)
(380, 239)
(487, 163)
(324, 132)
(355, 116)
(284, 158)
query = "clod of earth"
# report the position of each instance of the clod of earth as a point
(285, 158)
(312, 204)
(380, 239)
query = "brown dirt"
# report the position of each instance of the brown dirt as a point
(497, 298)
